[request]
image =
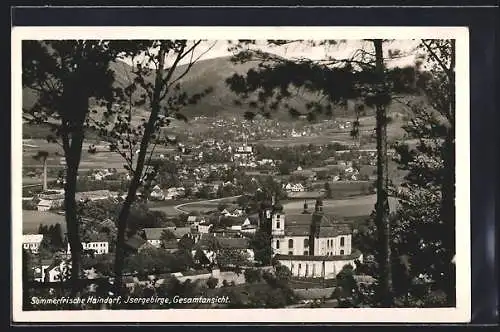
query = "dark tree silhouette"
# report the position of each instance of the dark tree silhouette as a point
(65, 75)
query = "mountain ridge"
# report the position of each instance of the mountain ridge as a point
(221, 102)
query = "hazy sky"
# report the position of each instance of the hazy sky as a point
(219, 48)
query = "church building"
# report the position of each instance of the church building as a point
(311, 245)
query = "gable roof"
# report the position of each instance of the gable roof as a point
(181, 231)
(224, 242)
(135, 241)
(234, 221)
(297, 219)
(329, 226)
(299, 230)
(154, 233)
(335, 230)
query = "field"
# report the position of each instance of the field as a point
(191, 206)
(352, 207)
(367, 125)
(32, 219)
(103, 158)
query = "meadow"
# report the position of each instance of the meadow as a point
(32, 219)
(346, 208)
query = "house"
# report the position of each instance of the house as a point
(32, 242)
(312, 245)
(95, 195)
(99, 248)
(247, 227)
(224, 243)
(234, 223)
(153, 235)
(157, 194)
(204, 227)
(296, 187)
(192, 219)
(135, 244)
(47, 204)
(51, 271)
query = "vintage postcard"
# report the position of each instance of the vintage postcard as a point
(262, 174)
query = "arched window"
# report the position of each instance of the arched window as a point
(277, 244)
(306, 243)
(342, 241)
(290, 243)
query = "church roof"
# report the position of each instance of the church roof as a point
(299, 230)
(299, 225)
(297, 219)
(354, 255)
(335, 230)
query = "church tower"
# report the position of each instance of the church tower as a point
(315, 225)
(278, 219)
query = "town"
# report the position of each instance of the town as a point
(204, 212)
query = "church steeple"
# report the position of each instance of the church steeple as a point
(306, 208)
(277, 207)
(319, 206)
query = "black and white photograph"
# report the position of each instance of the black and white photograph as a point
(157, 171)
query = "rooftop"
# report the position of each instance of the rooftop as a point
(155, 233)
(354, 255)
(32, 238)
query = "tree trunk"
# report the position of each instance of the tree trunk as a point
(125, 210)
(71, 213)
(76, 104)
(382, 205)
(44, 174)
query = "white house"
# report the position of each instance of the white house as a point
(32, 242)
(99, 248)
(157, 194)
(204, 228)
(47, 204)
(192, 219)
(296, 187)
(50, 271)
